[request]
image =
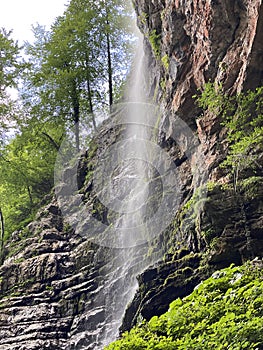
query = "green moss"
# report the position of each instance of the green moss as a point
(165, 62)
(213, 187)
(163, 13)
(18, 261)
(90, 161)
(189, 212)
(67, 228)
(163, 84)
(183, 273)
(250, 186)
(19, 288)
(224, 312)
(143, 18)
(209, 235)
(156, 127)
(242, 115)
(155, 41)
(15, 248)
(155, 94)
(49, 288)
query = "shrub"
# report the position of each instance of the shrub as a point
(223, 312)
(242, 115)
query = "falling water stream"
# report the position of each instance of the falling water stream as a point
(123, 182)
(139, 185)
(134, 173)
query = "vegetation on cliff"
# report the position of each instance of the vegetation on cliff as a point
(70, 74)
(223, 312)
(242, 115)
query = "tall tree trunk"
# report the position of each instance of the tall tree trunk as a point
(76, 126)
(110, 78)
(76, 114)
(91, 106)
(30, 196)
(2, 233)
(90, 93)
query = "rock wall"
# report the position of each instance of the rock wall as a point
(196, 42)
(50, 280)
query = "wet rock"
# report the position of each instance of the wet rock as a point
(57, 286)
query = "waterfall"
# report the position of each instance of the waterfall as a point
(133, 175)
(138, 185)
(123, 182)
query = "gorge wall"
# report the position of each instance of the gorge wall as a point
(51, 277)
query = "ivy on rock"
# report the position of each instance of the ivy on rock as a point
(223, 312)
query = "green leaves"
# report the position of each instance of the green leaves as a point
(245, 135)
(242, 115)
(223, 312)
(11, 66)
(70, 74)
(155, 41)
(26, 172)
(84, 56)
(213, 99)
(76, 69)
(9, 60)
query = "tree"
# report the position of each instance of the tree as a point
(27, 172)
(11, 66)
(2, 233)
(242, 115)
(116, 23)
(83, 60)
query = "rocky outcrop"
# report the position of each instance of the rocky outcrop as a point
(196, 42)
(203, 40)
(228, 230)
(51, 281)
(60, 288)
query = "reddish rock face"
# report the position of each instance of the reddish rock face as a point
(201, 41)
(204, 40)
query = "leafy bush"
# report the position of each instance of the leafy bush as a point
(246, 130)
(242, 115)
(223, 312)
(26, 174)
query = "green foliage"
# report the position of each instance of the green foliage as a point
(19, 288)
(189, 215)
(78, 67)
(165, 62)
(67, 78)
(26, 173)
(213, 99)
(245, 130)
(155, 41)
(11, 66)
(242, 115)
(223, 312)
(143, 17)
(250, 184)
(163, 84)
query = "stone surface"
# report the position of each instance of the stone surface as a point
(51, 282)
(221, 41)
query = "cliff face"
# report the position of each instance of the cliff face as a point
(51, 282)
(205, 40)
(189, 43)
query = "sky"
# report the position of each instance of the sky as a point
(20, 15)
